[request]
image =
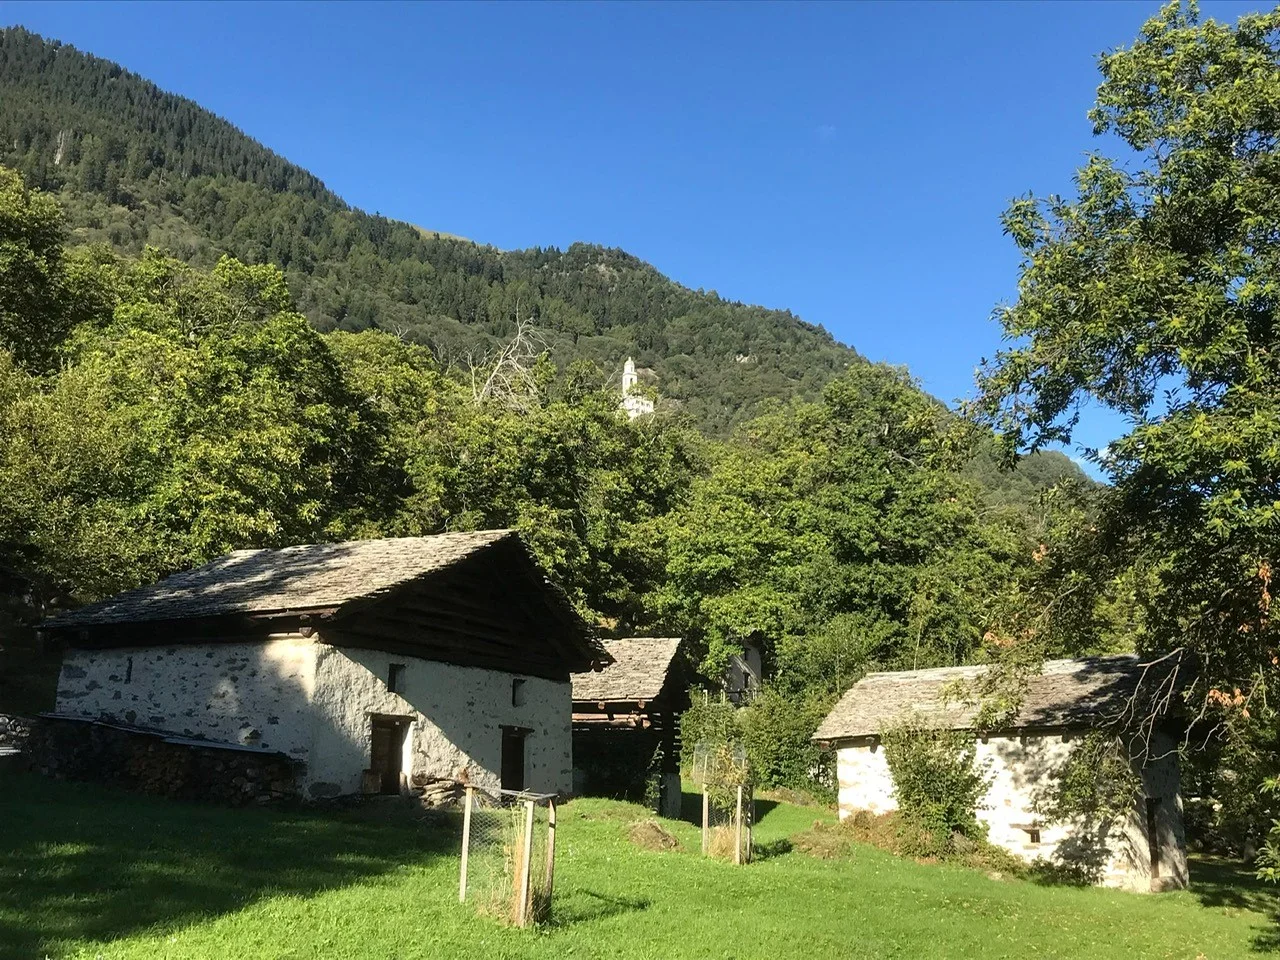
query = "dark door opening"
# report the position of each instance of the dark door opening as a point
(1153, 834)
(386, 752)
(513, 739)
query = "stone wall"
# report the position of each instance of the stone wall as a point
(252, 694)
(457, 716)
(314, 702)
(149, 763)
(1020, 769)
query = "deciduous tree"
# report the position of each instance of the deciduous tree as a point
(1155, 291)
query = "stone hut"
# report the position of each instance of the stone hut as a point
(374, 666)
(626, 723)
(744, 674)
(1069, 698)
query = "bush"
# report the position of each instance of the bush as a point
(709, 719)
(938, 786)
(1269, 856)
(775, 731)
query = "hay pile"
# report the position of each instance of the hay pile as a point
(651, 835)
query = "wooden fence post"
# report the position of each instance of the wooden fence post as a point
(522, 918)
(706, 820)
(466, 848)
(737, 829)
(551, 848)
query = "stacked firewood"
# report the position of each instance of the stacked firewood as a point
(13, 731)
(440, 793)
(141, 761)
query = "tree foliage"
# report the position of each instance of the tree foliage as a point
(192, 412)
(838, 537)
(1154, 293)
(33, 314)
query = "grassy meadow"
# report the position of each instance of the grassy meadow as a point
(90, 873)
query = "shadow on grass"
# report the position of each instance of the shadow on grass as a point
(80, 862)
(691, 808)
(1224, 883)
(774, 848)
(598, 906)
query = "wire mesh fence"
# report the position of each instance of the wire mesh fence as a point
(508, 855)
(728, 804)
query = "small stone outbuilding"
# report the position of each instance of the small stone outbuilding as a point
(372, 666)
(744, 674)
(626, 723)
(1069, 698)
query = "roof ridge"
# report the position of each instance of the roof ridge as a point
(639, 672)
(1065, 692)
(293, 577)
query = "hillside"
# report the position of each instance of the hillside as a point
(831, 511)
(134, 165)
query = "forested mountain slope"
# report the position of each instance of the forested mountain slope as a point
(135, 165)
(156, 412)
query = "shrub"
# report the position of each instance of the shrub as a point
(938, 786)
(774, 729)
(709, 719)
(713, 725)
(1269, 856)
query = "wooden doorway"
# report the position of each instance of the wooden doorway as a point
(386, 752)
(513, 744)
(1154, 845)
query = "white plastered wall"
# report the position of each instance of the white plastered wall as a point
(1019, 768)
(254, 694)
(314, 703)
(457, 714)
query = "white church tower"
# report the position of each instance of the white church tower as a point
(634, 404)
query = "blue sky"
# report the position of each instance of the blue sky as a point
(847, 161)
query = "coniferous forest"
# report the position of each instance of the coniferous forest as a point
(134, 166)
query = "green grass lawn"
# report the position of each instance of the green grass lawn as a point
(86, 872)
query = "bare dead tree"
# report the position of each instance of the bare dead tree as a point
(506, 378)
(398, 330)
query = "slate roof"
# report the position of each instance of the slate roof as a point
(638, 672)
(1067, 693)
(318, 576)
